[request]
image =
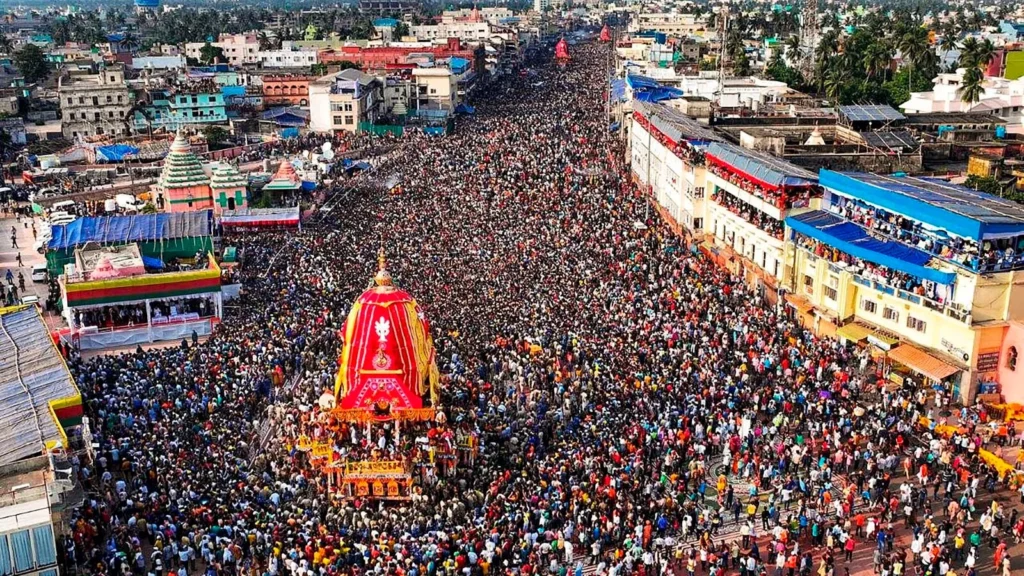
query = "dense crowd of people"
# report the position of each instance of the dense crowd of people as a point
(639, 410)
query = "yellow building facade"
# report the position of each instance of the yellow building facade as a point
(879, 271)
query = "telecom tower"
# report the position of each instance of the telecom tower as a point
(723, 40)
(808, 37)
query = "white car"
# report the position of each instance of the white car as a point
(39, 273)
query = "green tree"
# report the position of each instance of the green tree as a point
(215, 136)
(209, 53)
(916, 50)
(5, 44)
(984, 183)
(792, 45)
(347, 64)
(970, 90)
(31, 63)
(401, 30)
(968, 53)
(876, 60)
(986, 51)
(835, 81)
(741, 66)
(897, 91)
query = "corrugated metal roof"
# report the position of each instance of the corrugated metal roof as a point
(32, 374)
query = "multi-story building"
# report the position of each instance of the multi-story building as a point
(387, 7)
(927, 273)
(434, 90)
(667, 158)
(465, 31)
(341, 101)
(182, 107)
(671, 23)
(238, 49)
(279, 90)
(287, 58)
(1001, 97)
(95, 104)
(378, 58)
(43, 429)
(749, 197)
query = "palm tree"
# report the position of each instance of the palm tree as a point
(986, 51)
(792, 46)
(969, 52)
(131, 41)
(948, 42)
(970, 90)
(915, 48)
(877, 57)
(835, 80)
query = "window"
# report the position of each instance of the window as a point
(21, 545)
(869, 306)
(95, 100)
(1011, 358)
(830, 293)
(5, 557)
(914, 323)
(110, 99)
(119, 98)
(81, 99)
(433, 90)
(890, 314)
(96, 116)
(46, 553)
(808, 284)
(71, 101)
(348, 107)
(338, 120)
(348, 120)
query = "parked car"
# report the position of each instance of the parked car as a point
(39, 273)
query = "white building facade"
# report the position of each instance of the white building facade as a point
(1001, 97)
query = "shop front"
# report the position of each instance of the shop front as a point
(916, 369)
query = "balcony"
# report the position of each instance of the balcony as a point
(763, 223)
(952, 310)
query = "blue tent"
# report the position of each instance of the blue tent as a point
(115, 152)
(138, 228)
(465, 109)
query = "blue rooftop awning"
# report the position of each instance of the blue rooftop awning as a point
(960, 210)
(855, 241)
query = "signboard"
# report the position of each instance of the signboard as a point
(988, 362)
(879, 342)
(323, 450)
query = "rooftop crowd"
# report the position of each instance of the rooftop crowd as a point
(639, 410)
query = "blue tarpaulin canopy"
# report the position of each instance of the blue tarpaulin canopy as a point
(151, 262)
(115, 152)
(465, 109)
(618, 88)
(138, 228)
(855, 241)
(647, 89)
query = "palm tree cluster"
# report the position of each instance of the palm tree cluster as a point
(856, 59)
(974, 57)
